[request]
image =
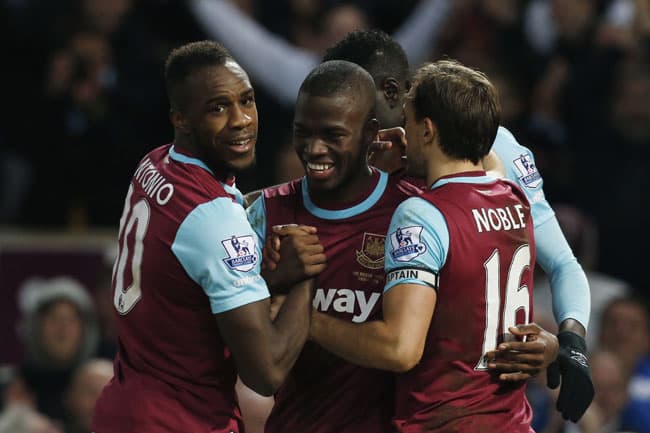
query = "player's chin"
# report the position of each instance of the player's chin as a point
(242, 162)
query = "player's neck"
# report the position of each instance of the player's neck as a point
(448, 167)
(349, 192)
(221, 173)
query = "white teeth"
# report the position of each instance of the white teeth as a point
(240, 142)
(318, 167)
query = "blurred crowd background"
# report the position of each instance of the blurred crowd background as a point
(84, 100)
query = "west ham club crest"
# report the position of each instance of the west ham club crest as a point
(371, 255)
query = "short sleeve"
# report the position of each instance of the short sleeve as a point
(218, 249)
(521, 169)
(256, 213)
(417, 244)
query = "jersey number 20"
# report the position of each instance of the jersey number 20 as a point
(517, 298)
(133, 228)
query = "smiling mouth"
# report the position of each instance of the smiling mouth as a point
(241, 145)
(312, 166)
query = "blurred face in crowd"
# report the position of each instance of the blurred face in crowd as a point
(85, 389)
(220, 116)
(610, 384)
(61, 331)
(106, 15)
(331, 135)
(625, 332)
(572, 17)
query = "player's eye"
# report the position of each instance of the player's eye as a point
(335, 136)
(248, 101)
(300, 133)
(219, 108)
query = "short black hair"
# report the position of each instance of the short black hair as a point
(334, 76)
(184, 60)
(375, 51)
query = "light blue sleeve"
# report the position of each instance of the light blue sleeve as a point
(218, 249)
(520, 167)
(256, 214)
(417, 244)
(569, 285)
(571, 296)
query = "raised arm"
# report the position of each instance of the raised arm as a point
(279, 66)
(273, 62)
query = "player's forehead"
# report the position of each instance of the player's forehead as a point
(227, 80)
(338, 108)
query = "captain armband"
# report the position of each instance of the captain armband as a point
(424, 275)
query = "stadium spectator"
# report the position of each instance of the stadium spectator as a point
(626, 333)
(58, 329)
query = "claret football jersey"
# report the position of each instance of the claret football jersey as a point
(186, 252)
(324, 393)
(470, 238)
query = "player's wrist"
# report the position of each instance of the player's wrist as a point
(573, 340)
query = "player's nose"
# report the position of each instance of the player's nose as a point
(315, 147)
(239, 118)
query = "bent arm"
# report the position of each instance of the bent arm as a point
(394, 343)
(217, 247)
(569, 285)
(265, 351)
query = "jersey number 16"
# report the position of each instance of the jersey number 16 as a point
(517, 298)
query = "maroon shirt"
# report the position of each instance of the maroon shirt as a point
(173, 372)
(490, 247)
(324, 393)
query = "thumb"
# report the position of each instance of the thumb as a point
(553, 375)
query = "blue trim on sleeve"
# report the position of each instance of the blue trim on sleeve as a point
(187, 159)
(569, 284)
(428, 243)
(218, 249)
(256, 214)
(351, 211)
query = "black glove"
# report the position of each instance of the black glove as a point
(577, 390)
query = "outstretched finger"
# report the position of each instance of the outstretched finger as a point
(526, 330)
(522, 346)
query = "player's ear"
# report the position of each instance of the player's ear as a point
(370, 131)
(429, 130)
(391, 91)
(179, 121)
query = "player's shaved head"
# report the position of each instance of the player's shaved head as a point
(341, 77)
(184, 60)
(373, 50)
